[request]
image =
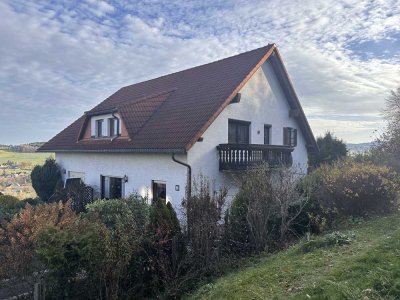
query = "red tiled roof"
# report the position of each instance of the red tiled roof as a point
(171, 112)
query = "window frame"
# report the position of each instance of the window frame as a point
(236, 123)
(113, 130)
(102, 186)
(154, 183)
(289, 136)
(267, 128)
(99, 125)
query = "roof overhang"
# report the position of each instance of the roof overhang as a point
(150, 150)
(294, 102)
(100, 112)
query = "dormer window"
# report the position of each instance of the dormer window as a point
(105, 126)
(99, 128)
(113, 127)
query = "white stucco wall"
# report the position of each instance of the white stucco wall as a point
(262, 102)
(140, 168)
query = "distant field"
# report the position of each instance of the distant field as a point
(16, 181)
(28, 157)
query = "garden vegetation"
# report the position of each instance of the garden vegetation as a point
(124, 248)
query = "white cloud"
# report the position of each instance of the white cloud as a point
(68, 56)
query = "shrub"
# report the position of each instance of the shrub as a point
(130, 212)
(8, 207)
(123, 223)
(335, 238)
(330, 149)
(358, 189)
(165, 249)
(204, 216)
(263, 212)
(68, 256)
(8, 201)
(45, 179)
(19, 237)
(317, 215)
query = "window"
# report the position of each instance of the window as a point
(159, 190)
(112, 126)
(290, 136)
(267, 134)
(111, 187)
(73, 174)
(99, 128)
(238, 132)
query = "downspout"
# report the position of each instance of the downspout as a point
(114, 116)
(189, 180)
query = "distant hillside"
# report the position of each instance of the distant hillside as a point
(358, 148)
(31, 147)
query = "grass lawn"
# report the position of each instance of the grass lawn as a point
(367, 268)
(19, 157)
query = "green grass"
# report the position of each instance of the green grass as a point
(366, 268)
(19, 157)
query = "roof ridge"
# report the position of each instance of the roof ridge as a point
(199, 66)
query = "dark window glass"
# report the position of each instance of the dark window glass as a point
(99, 128)
(159, 191)
(267, 134)
(111, 126)
(290, 136)
(238, 132)
(111, 187)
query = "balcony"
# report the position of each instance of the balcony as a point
(242, 156)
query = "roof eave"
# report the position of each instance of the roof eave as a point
(139, 150)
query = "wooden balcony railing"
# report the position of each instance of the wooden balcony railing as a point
(242, 156)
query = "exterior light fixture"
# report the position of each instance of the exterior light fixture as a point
(125, 178)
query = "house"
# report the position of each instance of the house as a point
(217, 119)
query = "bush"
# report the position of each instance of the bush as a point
(335, 238)
(123, 223)
(350, 187)
(8, 207)
(317, 215)
(68, 256)
(8, 202)
(18, 239)
(264, 210)
(128, 248)
(204, 216)
(45, 179)
(358, 189)
(165, 250)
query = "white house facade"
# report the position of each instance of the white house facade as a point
(144, 146)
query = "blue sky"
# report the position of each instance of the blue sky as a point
(60, 58)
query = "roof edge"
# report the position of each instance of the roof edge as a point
(312, 142)
(139, 150)
(229, 98)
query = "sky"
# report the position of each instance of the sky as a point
(61, 58)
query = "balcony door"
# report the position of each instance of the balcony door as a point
(238, 132)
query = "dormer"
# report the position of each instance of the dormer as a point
(107, 125)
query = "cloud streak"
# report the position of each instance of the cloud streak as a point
(60, 59)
